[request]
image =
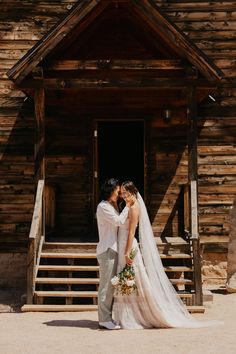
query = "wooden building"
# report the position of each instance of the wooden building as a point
(141, 90)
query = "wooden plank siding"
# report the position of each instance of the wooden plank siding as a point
(212, 26)
(22, 24)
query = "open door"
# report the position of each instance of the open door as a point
(119, 153)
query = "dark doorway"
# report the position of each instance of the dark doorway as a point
(121, 151)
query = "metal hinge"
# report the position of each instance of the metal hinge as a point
(95, 133)
(95, 174)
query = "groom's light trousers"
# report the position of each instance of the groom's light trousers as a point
(108, 268)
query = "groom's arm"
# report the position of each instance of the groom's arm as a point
(109, 215)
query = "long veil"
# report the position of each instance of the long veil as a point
(174, 311)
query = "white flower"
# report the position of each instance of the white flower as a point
(115, 281)
(130, 282)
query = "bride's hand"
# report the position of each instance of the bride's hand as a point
(128, 260)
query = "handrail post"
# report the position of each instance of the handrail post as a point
(192, 178)
(30, 272)
(36, 231)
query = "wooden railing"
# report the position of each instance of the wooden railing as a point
(191, 229)
(36, 239)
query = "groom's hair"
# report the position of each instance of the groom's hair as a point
(108, 187)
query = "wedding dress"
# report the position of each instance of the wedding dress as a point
(156, 304)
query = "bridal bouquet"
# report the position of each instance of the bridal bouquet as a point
(124, 282)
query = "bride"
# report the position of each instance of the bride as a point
(156, 304)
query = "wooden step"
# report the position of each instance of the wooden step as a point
(59, 308)
(67, 268)
(68, 255)
(93, 255)
(186, 295)
(74, 244)
(174, 241)
(175, 256)
(66, 293)
(83, 294)
(80, 308)
(196, 309)
(82, 268)
(67, 281)
(178, 269)
(94, 281)
(69, 247)
(159, 240)
(181, 281)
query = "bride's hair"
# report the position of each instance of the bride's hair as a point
(130, 187)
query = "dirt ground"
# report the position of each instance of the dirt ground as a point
(69, 333)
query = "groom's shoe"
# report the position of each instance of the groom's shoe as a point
(108, 325)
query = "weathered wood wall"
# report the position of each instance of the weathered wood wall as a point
(68, 167)
(22, 24)
(168, 173)
(212, 26)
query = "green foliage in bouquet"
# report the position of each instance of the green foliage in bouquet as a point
(124, 282)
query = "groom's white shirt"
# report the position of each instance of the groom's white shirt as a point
(109, 220)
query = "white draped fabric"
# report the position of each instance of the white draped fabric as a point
(156, 304)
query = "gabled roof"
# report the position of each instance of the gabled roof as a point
(147, 10)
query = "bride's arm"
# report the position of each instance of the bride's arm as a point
(133, 221)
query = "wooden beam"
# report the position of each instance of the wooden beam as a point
(115, 83)
(192, 177)
(192, 133)
(115, 65)
(50, 40)
(39, 154)
(169, 32)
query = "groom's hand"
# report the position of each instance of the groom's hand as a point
(130, 203)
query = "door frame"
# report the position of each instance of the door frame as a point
(95, 125)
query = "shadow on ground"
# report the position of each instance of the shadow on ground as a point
(69, 323)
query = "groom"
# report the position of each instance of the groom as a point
(108, 220)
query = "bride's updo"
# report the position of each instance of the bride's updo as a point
(130, 187)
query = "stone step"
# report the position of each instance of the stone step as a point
(80, 308)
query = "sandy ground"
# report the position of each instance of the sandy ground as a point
(64, 333)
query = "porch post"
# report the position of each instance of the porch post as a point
(192, 178)
(38, 222)
(39, 150)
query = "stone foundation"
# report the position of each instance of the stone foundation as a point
(13, 271)
(231, 277)
(214, 268)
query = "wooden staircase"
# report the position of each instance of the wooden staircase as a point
(67, 276)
